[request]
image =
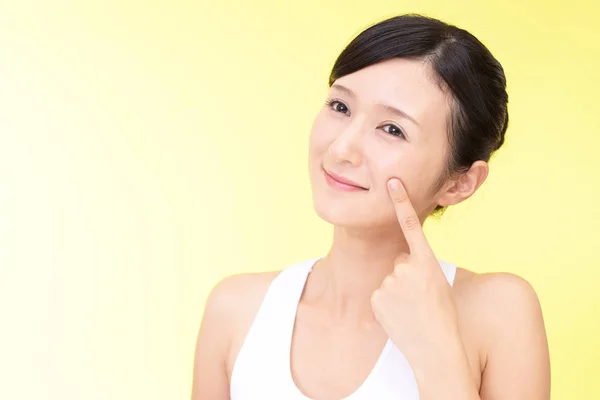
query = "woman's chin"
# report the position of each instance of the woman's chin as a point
(340, 216)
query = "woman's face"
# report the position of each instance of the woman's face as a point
(386, 120)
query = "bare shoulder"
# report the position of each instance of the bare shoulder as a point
(230, 306)
(503, 296)
(237, 297)
(503, 314)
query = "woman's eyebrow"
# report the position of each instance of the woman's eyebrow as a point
(399, 112)
(343, 89)
(391, 109)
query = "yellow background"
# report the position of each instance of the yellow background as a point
(149, 148)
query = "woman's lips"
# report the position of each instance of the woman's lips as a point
(341, 183)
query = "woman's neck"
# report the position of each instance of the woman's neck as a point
(355, 266)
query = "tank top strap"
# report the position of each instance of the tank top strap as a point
(449, 270)
(265, 351)
(279, 305)
(286, 289)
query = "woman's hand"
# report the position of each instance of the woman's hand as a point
(415, 307)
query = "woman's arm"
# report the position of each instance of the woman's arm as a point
(508, 316)
(417, 309)
(518, 362)
(210, 380)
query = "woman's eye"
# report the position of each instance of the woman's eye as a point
(338, 106)
(392, 130)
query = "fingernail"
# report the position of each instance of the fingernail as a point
(394, 184)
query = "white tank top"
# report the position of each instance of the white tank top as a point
(262, 369)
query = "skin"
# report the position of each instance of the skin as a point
(482, 338)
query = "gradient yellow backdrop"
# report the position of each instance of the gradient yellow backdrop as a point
(149, 148)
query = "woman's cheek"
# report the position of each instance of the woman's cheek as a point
(409, 179)
(323, 133)
(388, 168)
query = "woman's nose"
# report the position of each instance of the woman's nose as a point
(348, 146)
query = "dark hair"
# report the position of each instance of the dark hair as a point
(463, 66)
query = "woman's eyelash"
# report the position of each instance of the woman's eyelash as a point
(397, 131)
(332, 103)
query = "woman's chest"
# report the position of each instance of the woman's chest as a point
(330, 363)
(334, 362)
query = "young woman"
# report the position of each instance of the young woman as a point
(415, 109)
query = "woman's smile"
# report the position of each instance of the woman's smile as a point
(340, 183)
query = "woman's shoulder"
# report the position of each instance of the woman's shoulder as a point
(231, 302)
(499, 289)
(238, 296)
(236, 299)
(502, 316)
(499, 306)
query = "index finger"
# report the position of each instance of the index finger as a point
(408, 218)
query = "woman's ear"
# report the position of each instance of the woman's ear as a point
(464, 186)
